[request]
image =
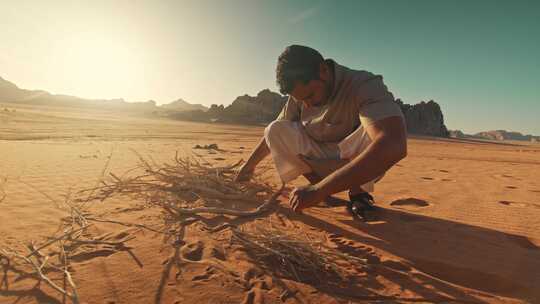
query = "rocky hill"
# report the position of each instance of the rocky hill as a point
(425, 118)
(253, 109)
(245, 109)
(182, 106)
(9, 92)
(496, 135)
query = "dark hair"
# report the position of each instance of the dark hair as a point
(297, 63)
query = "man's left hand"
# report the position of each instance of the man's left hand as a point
(305, 197)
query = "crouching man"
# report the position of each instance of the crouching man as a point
(340, 128)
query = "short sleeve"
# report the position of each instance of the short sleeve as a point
(375, 102)
(290, 111)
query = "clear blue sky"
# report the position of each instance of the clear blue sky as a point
(478, 59)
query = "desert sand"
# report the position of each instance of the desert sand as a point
(459, 220)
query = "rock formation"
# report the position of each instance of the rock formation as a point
(424, 118)
(457, 134)
(262, 108)
(496, 135)
(182, 106)
(504, 135)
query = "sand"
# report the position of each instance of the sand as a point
(459, 220)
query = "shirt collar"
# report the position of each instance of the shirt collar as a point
(338, 74)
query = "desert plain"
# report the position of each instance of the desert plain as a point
(459, 220)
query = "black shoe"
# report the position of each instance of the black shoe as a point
(360, 205)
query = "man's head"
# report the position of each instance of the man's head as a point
(302, 73)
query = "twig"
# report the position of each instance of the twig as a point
(63, 236)
(222, 211)
(125, 224)
(38, 272)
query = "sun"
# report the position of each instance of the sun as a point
(99, 65)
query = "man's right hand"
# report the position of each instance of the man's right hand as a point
(245, 173)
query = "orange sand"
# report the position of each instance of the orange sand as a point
(460, 219)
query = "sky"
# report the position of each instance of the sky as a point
(478, 59)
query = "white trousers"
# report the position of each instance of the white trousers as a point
(287, 139)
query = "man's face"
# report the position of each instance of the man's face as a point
(314, 92)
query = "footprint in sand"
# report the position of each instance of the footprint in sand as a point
(519, 204)
(442, 179)
(352, 248)
(198, 251)
(410, 202)
(206, 276)
(513, 204)
(506, 177)
(192, 251)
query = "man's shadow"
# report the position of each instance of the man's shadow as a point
(447, 252)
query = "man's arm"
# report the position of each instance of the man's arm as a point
(291, 112)
(258, 154)
(388, 146)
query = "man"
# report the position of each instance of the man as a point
(340, 128)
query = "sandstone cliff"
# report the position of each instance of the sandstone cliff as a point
(425, 118)
(254, 109)
(260, 109)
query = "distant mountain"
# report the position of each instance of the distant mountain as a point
(496, 135)
(182, 106)
(9, 92)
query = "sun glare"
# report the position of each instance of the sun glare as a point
(105, 66)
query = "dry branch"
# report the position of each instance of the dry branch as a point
(71, 239)
(38, 271)
(286, 255)
(181, 187)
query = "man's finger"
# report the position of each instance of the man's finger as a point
(295, 207)
(298, 207)
(293, 200)
(297, 203)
